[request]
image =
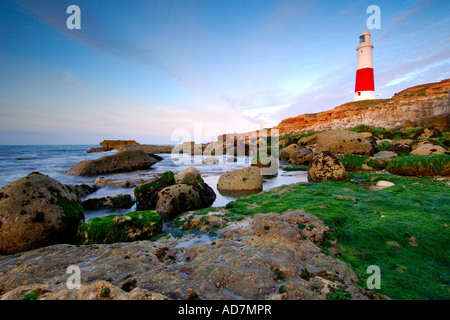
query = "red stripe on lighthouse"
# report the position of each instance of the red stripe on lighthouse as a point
(364, 80)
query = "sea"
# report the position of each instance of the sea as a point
(52, 160)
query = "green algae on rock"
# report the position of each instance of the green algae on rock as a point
(353, 162)
(133, 226)
(422, 165)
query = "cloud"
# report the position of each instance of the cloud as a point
(94, 33)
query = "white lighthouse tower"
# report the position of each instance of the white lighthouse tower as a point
(364, 85)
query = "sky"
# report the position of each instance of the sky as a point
(166, 71)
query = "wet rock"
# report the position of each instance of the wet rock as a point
(422, 165)
(124, 161)
(37, 211)
(249, 259)
(248, 178)
(325, 166)
(121, 201)
(178, 198)
(353, 162)
(145, 194)
(82, 190)
(149, 148)
(125, 182)
(133, 226)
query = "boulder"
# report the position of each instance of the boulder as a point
(178, 198)
(428, 148)
(172, 194)
(326, 166)
(342, 142)
(189, 175)
(385, 155)
(248, 178)
(286, 153)
(210, 161)
(303, 156)
(133, 226)
(146, 194)
(124, 161)
(37, 211)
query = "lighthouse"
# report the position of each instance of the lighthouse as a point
(364, 85)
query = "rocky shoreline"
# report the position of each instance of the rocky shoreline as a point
(301, 241)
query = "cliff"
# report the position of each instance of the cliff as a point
(423, 105)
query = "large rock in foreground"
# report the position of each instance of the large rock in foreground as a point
(342, 142)
(124, 161)
(326, 166)
(265, 256)
(37, 211)
(249, 178)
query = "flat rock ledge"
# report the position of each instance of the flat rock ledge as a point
(265, 256)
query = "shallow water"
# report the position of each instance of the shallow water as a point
(19, 161)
